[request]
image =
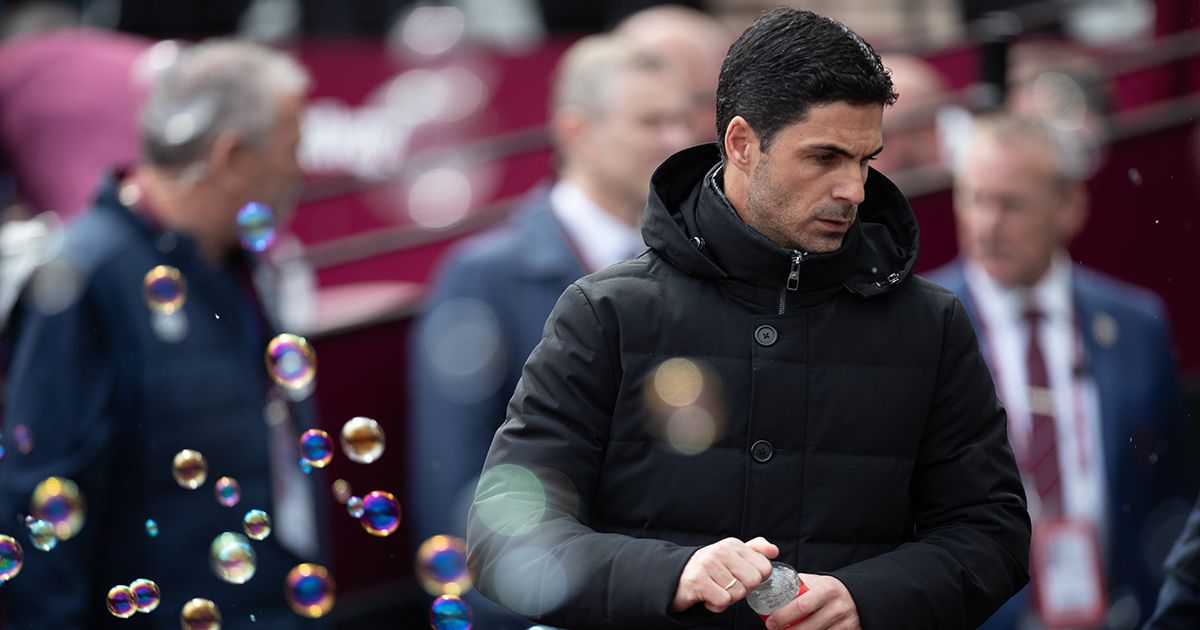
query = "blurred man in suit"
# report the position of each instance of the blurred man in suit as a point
(1083, 364)
(617, 111)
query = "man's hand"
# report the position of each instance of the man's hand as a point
(826, 606)
(723, 572)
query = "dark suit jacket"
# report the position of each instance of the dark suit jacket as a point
(1141, 415)
(504, 283)
(109, 403)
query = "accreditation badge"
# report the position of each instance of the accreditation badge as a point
(1068, 574)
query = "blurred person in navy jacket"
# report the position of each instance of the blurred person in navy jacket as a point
(1083, 363)
(617, 112)
(110, 389)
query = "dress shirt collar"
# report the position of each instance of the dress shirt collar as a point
(600, 238)
(1051, 295)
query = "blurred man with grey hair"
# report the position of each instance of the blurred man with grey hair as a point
(697, 43)
(113, 375)
(617, 112)
(1083, 363)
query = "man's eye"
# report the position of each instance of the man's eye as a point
(826, 158)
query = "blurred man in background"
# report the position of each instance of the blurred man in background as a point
(1083, 364)
(617, 112)
(910, 131)
(111, 378)
(696, 42)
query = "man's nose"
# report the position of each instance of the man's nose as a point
(851, 185)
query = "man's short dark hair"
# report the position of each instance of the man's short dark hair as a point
(787, 62)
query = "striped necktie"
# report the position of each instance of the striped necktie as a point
(1041, 460)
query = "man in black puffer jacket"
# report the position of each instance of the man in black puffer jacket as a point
(768, 381)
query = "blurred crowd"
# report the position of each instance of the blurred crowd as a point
(154, 301)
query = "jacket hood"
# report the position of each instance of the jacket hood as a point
(689, 222)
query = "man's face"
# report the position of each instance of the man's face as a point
(1013, 211)
(645, 120)
(804, 192)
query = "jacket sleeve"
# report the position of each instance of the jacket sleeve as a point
(62, 386)
(1179, 600)
(970, 550)
(529, 537)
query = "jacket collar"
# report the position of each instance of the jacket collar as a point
(168, 242)
(752, 261)
(689, 223)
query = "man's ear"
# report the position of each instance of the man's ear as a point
(1075, 211)
(226, 160)
(742, 148)
(569, 126)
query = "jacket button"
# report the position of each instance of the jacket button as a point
(765, 336)
(762, 451)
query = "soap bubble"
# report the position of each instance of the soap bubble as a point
(164, 289)
(57, 501)
(341, 491)
(145, 594)
(256, 524)
(310, 590)
(510, 499)
(291, 362)
(316, 448)
(190, 469)
(686, 411)
(121, 602)
(354, 506)
(228, 491)
(449, 612)
(362, 440)
(200, 614)
(12, 558)
(256, 226)
(442, 566)
(381, 513)
(232, 558)
(41, 535)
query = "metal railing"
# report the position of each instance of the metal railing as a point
(1142, 120)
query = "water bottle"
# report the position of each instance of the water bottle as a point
(781, 587)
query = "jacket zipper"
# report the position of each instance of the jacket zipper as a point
(793, 279)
